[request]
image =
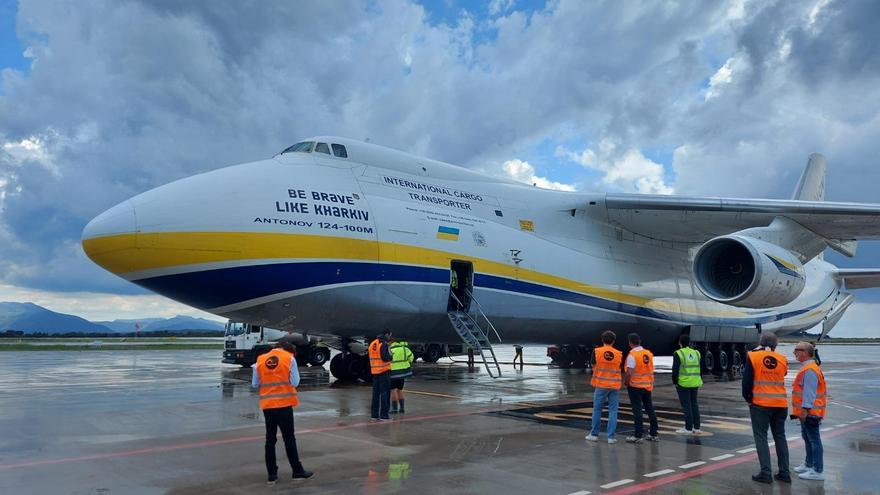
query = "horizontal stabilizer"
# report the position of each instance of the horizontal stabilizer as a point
(859, 278)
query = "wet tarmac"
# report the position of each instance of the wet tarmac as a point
(180, 422)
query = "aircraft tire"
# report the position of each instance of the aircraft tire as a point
(562, 359)
(337, 367)
(723, 360)
(708, 360)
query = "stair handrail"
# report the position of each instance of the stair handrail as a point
(483, 314)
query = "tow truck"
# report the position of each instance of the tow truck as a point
(245, 342)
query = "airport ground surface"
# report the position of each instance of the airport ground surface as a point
(180, 422)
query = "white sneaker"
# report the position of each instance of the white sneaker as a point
(592, 438)
(698, 431)
(612, 440)
(633, 440)
(803, 468)
(812, 475)
(683, 431)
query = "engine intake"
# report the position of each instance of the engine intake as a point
(747, 272)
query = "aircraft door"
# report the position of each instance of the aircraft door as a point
(461, 284)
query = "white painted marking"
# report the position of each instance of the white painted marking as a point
(659, 473)
(771, 444)
(862, 411)
(721, 457)
(746, 451)
(792, 439)
(616, 484)
(693, 464)
(582, 492)
(826, 429)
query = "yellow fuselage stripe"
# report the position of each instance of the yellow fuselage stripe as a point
(130, 253)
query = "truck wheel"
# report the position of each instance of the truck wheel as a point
(433, 353)
(723, 361)
(318, 356)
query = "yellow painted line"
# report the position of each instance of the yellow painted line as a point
(432, 394)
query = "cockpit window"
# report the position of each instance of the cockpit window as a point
(339, 150)
(322, 148)
(303, 147)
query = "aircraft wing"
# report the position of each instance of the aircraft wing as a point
(698, 219)
(859, 278)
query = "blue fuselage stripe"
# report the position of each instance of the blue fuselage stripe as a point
(225, 286)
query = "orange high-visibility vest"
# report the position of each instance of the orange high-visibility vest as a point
(377, 365)
(797, 392)
(606, 371)
(769, 387)
(273, 371)
(642, 376)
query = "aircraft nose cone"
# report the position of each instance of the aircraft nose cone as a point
(110, 232)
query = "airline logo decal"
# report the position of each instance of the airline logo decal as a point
(447, 233)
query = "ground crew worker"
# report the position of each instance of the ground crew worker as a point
(607, 379)
(808, 398)
(380, 368)
(518, 355)
(763, 387)
(687, 379)
(277, 377)
(639, 379)
(401, 367)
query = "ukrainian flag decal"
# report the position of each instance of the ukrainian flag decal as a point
(448, 233)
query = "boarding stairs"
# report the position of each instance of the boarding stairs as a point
(475, 336)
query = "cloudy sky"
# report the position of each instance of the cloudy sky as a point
(101, 100)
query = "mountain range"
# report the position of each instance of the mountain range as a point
(31, 318)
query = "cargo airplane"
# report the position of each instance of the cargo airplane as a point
(340, 238)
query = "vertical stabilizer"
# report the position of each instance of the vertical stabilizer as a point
(811, 187)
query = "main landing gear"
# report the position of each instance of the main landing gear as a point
(350, 367)
(723, 358)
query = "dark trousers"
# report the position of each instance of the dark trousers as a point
(813, 445)
(688, 399)
(282, 418)
(381, 402)
(637, 398)
(774, 418)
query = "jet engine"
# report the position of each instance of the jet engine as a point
(747, 272)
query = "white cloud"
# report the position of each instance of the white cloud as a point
(524, 172)
(500, 6)
(720, 79)
(626, 169)
(101, 307)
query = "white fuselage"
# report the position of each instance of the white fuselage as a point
(350, 246)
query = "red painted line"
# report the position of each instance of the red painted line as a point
(648, 485)
(252, 438)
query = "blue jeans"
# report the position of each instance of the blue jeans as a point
(813, 446)
(600, 395)
(381, 396)
(690, 407)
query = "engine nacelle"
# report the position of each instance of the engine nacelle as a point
(747, 272)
